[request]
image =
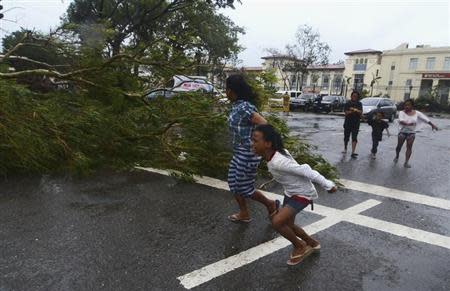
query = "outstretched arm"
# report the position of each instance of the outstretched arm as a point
(292, 167)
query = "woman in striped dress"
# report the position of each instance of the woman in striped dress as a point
(244, 165)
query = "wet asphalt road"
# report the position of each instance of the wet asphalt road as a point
(140, 231)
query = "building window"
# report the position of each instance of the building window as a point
(325, 81)
(390, 83)
(357, 61)
(413, 64)
(408, 85)
(447, 63)
(376, 75)
(393, 67)
(408, 89)
(365, 61)
(358, 82)
(337, 81)
(430, 63)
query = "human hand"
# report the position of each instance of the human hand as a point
(434, 127)
(332, 190)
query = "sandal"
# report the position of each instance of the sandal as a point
(316, 248)
(294, 260)
(235, 218)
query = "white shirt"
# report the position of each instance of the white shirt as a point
(418, 119)
(296, 179)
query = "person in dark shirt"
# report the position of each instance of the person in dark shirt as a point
(353, 113)
(378, 125)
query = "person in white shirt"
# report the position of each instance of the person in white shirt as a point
(298, 189)
(410, 120)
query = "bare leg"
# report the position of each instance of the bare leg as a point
(409, 145)
(243, 210)
(354, 146)
(270, 204)
(280, 223)
(400, 142)
(299, 232)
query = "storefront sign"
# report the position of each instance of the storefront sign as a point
(436, 76)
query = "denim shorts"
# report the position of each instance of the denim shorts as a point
(407, 135)
(297, 203)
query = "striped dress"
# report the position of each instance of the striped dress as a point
(244, 164)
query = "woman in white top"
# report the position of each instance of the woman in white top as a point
(409, 121)
(298, 189)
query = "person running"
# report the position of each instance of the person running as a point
(378, 125)
(353, 113)
(298, 189)
(243, 167)
(410, 120)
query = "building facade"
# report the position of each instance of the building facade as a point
(326, 79)
(415, 72)
(362, 69)
(399, 74)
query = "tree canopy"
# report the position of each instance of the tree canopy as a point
(99, 65)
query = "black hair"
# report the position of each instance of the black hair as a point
(241, 88)
(357, 93)
(379, 111)
(410, 101)
(271, 134)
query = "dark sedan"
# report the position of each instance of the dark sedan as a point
(329, 103)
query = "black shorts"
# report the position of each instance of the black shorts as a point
(353, 130)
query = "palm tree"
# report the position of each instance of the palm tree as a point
(374, 80)
(347, 83)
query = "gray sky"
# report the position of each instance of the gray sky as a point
(344, 25)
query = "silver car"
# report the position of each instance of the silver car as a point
(372, 104)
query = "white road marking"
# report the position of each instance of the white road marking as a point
(397, 194)
(332, 217)
(349, 184)
(400, 230)
(229, 264)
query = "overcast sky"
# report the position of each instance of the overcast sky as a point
(344, 25)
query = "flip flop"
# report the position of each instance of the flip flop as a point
(316, 248)
(277, 207)
(299, 258)
(234, 218)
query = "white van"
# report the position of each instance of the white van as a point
(292, 94)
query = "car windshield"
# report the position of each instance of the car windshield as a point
(329, 98)
(370, 101)
(307, 96)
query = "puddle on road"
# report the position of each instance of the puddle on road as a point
(99, 203)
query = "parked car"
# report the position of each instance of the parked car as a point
(329, 103)
(292, 94)
(182, 84)
(372, 104)
(304, 101)
(166, 93)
